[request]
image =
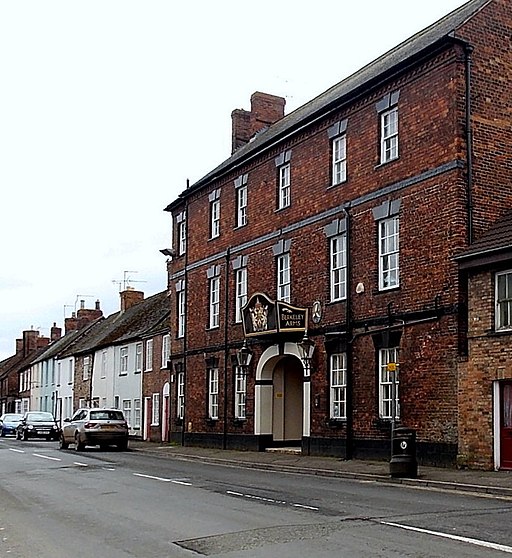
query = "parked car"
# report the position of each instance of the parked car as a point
(37, 424)
(9, 422)
(95, 427)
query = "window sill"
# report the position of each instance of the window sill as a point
(155, 424)
(236, 227)
(388, 290)
(384, 163)
(332, 186)
(137, 371)
(123, 373)
(337, 422)
(499, 332)
(279, 209)
(148, 370)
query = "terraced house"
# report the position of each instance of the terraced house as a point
(326, 303)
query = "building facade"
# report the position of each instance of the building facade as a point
(333, 231)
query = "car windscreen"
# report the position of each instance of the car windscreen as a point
(107, 415)
(40, 417)
(12, 418)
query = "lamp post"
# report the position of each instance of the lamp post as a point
(306, 348)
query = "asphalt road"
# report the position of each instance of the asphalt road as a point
(64, 504)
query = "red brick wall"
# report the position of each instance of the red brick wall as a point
(433, 228)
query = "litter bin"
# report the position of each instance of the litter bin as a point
(403, 453)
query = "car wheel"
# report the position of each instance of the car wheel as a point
(79, 446)
(62, 443)
(18, 435)
(2, 434)
(25, 435)
(123, 446)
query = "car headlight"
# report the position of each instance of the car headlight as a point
(30, 426)
(54, 427)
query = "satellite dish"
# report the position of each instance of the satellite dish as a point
(359, 288)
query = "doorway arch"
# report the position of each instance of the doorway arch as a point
(282, 395)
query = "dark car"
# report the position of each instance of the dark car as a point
(8, 423)
(37, 424)
(95, 427)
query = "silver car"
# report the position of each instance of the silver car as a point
(95, 427)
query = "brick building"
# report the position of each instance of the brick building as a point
(336, 226)
(485, 381)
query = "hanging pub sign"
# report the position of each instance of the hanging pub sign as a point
(263, 316)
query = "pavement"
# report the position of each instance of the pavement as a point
(492, 483)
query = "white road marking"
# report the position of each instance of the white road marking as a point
(476, 542)
(271, 500)
(108, 468)
(151, 477)
(305, 507)
(161, 479)
(80, 464)
(17, 450)
(46, 457)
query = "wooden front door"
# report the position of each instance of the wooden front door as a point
(506, 426)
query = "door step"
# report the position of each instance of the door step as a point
(289, 451)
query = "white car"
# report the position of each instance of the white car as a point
(95, 427)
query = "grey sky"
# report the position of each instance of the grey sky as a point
(108, 106)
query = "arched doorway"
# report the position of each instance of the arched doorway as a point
(282, 397)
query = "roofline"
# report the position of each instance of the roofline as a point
(363, 89)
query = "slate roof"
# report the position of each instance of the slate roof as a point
(124, 326)
(442, 30)
(58, 346)
(494, 245)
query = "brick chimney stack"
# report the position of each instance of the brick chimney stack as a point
(83, 317)
(265, 110)
(130, 297)
(55, 332)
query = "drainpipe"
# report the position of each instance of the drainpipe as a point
(226, 352)
(349, 439)
(468, 49)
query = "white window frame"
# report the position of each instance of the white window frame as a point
(214, 218)
(240, 393)
(136, 413)
(339, 159)
(180, 405)
(182, 237)
(338, 386)
(181, 313)
(138, 358)
(284, 186)
(104, 363)
(503, 300)
(241, 206)
(123, 360)
(386, 383)
(389, 253)
(213, 393)
(70, 371)
(149, 354)
(283, 277)
(155, 409)
(214, 318)
(241, 292)
(389, 135)
(166, 349)
(338, 267)
(127, 411)
(87, 368)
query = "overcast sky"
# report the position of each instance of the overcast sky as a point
(108, 106)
